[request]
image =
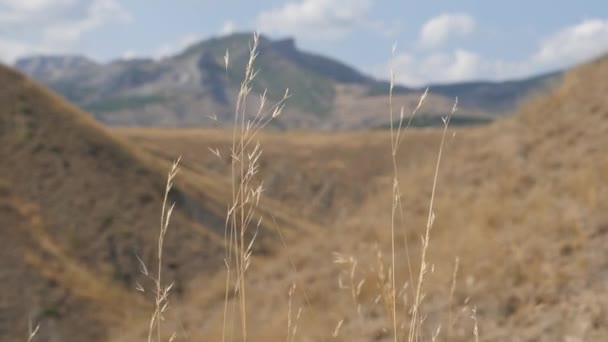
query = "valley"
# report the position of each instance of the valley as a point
(505, 220)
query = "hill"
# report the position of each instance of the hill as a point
(79, 206)
(520, 202)
(183, 90)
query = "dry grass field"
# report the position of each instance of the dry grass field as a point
(520, 204)
(515, 249)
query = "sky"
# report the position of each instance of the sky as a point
(437, 41)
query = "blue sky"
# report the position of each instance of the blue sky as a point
(437, 41)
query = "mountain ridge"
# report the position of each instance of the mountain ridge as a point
(185, 88)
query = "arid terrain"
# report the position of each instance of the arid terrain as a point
(516, 250)
(520, 203)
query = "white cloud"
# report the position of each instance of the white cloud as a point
(100, 12)
(169, 49)
(56, 25)
(411, 70)
(129, 54)
(442, 28)
(568, 46)
(453, 66)
(32, 5)
(574, 44)
(227, 28)
(316, 19)
(15, 12)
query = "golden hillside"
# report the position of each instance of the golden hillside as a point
(78, 206)
(521, 203)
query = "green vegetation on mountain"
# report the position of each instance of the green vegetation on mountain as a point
(123, 103)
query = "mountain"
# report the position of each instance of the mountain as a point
(497, 97)
(79, 206)
(185, 89)
(52, 67)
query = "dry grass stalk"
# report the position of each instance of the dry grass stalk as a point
(32, 331)
(292, 324)
(475, 326)
(384, 284)
(336, 332)
(436, 334)
(397, 207)
(354, 286)
(245, 155)
(161, 291)
(451, 299)
(415, 320)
